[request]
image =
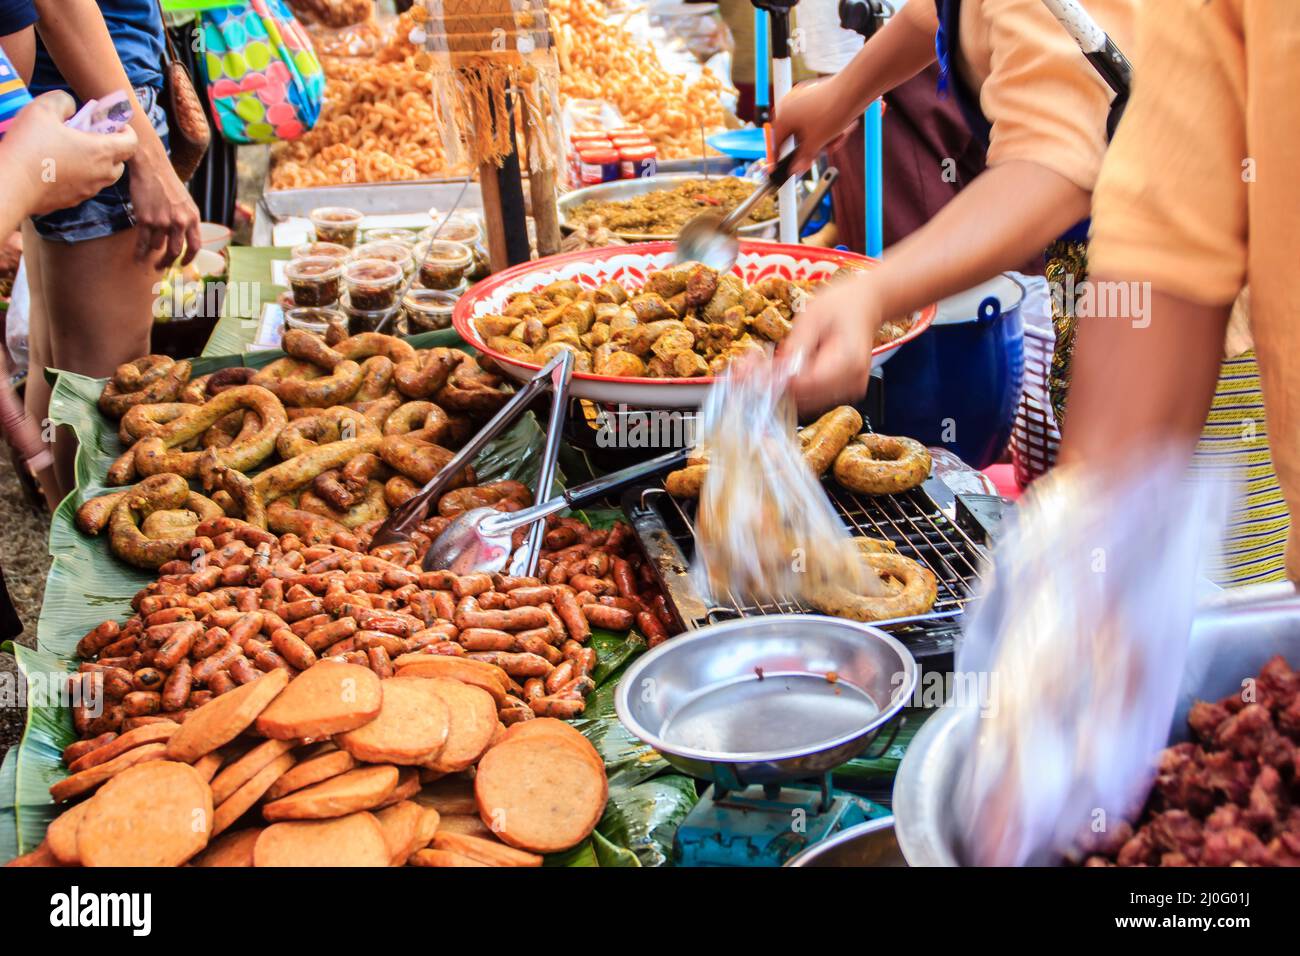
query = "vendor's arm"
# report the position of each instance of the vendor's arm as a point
(1047, 107)
(1169, 215)
(79, 43)
(815, 113)
(972, 238)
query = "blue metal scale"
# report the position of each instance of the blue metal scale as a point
(765, 826)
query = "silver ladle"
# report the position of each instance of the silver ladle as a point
(710, 238)
(481, 539)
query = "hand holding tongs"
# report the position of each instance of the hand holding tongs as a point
(554, 375)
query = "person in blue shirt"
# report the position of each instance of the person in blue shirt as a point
(94, 269)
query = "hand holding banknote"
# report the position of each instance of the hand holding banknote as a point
(55, 166)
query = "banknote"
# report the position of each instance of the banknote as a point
(108, 114)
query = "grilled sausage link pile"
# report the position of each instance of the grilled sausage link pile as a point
(248, 602)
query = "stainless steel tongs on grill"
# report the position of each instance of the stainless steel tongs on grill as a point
(554, 375)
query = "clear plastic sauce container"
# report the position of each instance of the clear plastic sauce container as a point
(314, 281)
(336, 224)
(314, 320)
(375, 320)
(389, 234)
(428, 309)
(442, 263)
(372, 284)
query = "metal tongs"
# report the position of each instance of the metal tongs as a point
(480, 539)
(554, 375)
(710, 238)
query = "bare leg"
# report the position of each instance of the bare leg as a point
(97, 312)
(36, 396)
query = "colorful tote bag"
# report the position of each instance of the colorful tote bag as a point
(264, 80)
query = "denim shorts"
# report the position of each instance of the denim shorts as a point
(108, 212)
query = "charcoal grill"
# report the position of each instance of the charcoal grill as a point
(953, 546)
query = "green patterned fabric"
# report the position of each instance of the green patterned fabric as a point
(1064, 259)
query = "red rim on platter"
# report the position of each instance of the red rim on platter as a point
(466, 306)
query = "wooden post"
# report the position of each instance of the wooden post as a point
(542, 191)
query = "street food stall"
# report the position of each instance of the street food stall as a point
(415, 560)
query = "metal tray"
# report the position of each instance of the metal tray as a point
(627, 188)
(414, 196)
(1230, 641)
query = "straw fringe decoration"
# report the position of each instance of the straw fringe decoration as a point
(478, 64)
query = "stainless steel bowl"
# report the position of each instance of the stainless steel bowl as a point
(628, 188)
(767, 699)
(868, 844)
(1229, 642)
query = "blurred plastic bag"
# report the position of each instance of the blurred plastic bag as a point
(17, 323)
(581, 116)
(1082, 629)
(766, 530)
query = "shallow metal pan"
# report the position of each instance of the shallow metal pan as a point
(767, 700)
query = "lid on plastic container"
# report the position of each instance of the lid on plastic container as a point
(390, 234)
(458, 228)
(312, 318)
(443, 252)
(335, 215)
(331, 249)
(313, 267)
(437, 303)
(377, 272)
(599, 155)
(383, 249)
(637, 152)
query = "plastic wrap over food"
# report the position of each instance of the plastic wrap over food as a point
(1082, 630)
(766, 531)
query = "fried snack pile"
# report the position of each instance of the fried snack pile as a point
(600, 60)
(343, 430)
(664, 211)
(686, 321)
(329, 768)
(1229, 797)
(380, 122)
(333, 13)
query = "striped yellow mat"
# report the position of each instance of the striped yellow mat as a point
(1235, 443)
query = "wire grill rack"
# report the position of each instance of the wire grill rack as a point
(916, 524)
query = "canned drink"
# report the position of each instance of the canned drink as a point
(638, 161)
(599, 165)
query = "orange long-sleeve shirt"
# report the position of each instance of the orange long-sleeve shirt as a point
(1199, 193)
